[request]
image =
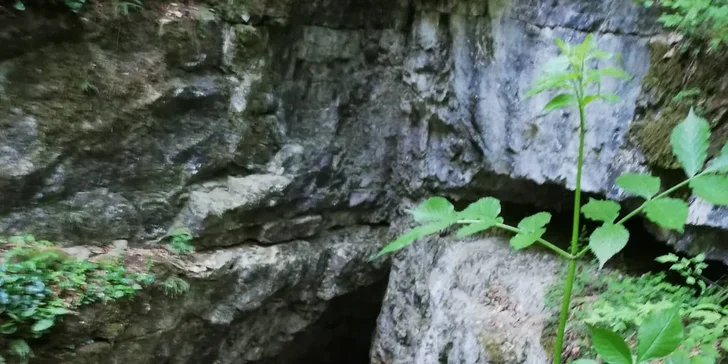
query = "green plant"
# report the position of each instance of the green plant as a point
(575, 75)
(73, 5)
(175, 286)
(621, 303)
(180, 243)
(702, 19)
(39, 284)
(690, 268)
(686, 95)
(658, 337)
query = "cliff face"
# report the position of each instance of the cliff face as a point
(270, 126)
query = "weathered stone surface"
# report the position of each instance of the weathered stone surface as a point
(266, 122)
(465, 302)
(246, 305)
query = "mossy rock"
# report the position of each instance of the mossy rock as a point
(672, 73)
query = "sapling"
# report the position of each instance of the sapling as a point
(576, 77)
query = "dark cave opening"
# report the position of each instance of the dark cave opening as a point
(343, 334)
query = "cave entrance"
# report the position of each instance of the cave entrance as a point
(343, 334)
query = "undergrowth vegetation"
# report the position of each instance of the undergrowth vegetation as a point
(702, 20)
(40, 284)
(623, 302)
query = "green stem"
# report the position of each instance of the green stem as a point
(516, 230)
(569, 284)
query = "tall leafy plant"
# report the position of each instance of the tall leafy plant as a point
(576, 77)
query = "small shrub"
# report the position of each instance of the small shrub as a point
(39, 284)
(621, 303)
(180, 243)
(175, 286)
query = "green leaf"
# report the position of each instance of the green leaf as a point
(601, 210)
(610, 346)
(668, 258)
(532, 228)
(614, 72)
(669, 213)
(487, 207)
(702, 359)
(608, 240)
(524, 240)
(412, 235)
(720, 162)
(535, 222)
(678, 357)
(560, 101)
(689, 142)
(19, 6)
(486, 210)
(434, 209)
(588, 99)
(20, 348)
(659, 335)
(584, 361)
(638, 184)
(42, 325)
(711, 188)
(478, 227)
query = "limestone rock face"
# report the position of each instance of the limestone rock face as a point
(465, 302)
(245, 305)
(267, 129)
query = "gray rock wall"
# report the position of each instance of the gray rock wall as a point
(254, 123)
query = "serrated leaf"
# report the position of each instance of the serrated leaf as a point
(608, 240)
(434, 209)
(638, 184)
(678, 357)
(610, 346)
(711, 188)
(478, 227)
(601, 210)
(720, 162)
(487, 207)
(707, 317)
(414, 234)
(669, 213)
(524, 240)
(560, 101)
(42, 325)
(659, 335)
(535, 222)
(532, 228)
(689, 142)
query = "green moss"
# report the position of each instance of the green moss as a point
(493, 349)
(74, 90)
(670, 73)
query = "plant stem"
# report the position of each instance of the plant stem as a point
(516, 230)
(569, 284)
